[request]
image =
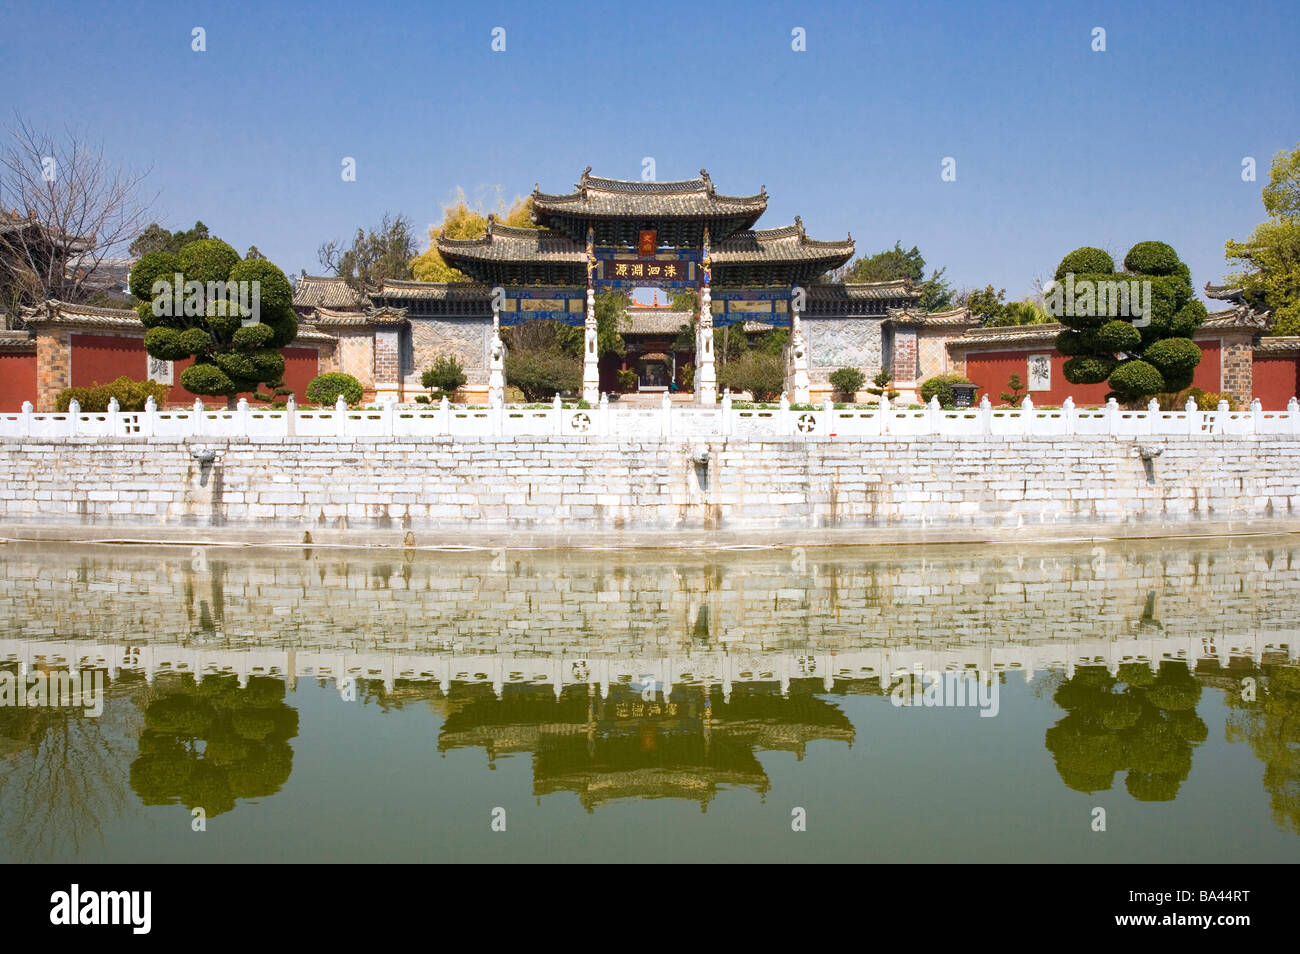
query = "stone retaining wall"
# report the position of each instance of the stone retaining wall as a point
(610, 486)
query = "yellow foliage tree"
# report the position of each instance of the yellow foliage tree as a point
(460, 221)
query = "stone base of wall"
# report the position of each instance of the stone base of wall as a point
(446, 490)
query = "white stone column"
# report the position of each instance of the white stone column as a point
(796, 365)
(496, 354)
(590, 357)
(706, 376)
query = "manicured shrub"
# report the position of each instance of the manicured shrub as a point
(1176, 360)
(325, 389)
(1134, 380)
(1086, 260)
(207, 260)
(151, 267)
(847, 381)
(131, 395)
(1139, 355)
(627, 381)
(207, 379)
(940, 386)
(1152, 258)
(1086, 369)
(1118, 336)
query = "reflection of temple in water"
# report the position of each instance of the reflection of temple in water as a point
(686, 746)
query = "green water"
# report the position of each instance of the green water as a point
(562, 706)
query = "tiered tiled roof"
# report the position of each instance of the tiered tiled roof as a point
(787, 254)
(511, 255)
(618, 208)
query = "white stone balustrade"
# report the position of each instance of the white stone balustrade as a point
(669, 421)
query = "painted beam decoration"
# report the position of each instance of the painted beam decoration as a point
(521, 304)
(731, 306)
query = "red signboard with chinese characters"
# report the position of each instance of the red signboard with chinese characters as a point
(647, 242)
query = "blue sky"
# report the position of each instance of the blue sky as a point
(1056, 146)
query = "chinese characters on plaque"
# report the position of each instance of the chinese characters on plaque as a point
(651, 269)
(647, 242)
(160, 371)
(1040, 372)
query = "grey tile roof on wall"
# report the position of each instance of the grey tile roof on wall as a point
(318, 291)
(432, 291)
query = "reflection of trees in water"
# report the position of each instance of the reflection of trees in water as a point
(1270, 725)
(207, 744)
(62, 777)
(1140, 722)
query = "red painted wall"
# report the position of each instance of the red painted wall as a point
(17, 380)
(1208, 374)
(1276, 379)
(992, 369)
(99, 359)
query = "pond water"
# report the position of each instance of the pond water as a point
(1132, 702)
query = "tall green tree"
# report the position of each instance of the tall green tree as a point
(894, 263)
(1139, 356)
(374, 255)
(155, 238)
(1269, 260)
(234, 350)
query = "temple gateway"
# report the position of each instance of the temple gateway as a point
(614, 234)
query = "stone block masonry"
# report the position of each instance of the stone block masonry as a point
(452, 488)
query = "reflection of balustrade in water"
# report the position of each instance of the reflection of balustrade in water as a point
(662, 673)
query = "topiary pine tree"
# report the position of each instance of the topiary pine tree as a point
(1138, 354)
(234, 350)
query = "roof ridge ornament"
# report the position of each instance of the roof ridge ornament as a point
(704, 174)
(582, 181)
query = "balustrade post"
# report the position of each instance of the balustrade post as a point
(726, 412)
(340, 417)
(986, 416)
(1256, 417)
(1221, 418)
(1069, 416)
(1153, 416)
(884, 414)
(291, 417)
(114, 416)
(1293, 411)
(1112, 417)
(1193, 413)
(934, 416)
(196, 418)
(1027, 416)
(444, 415)
(27, 420)
(74, 414)
(241, 418)
(784, 415)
